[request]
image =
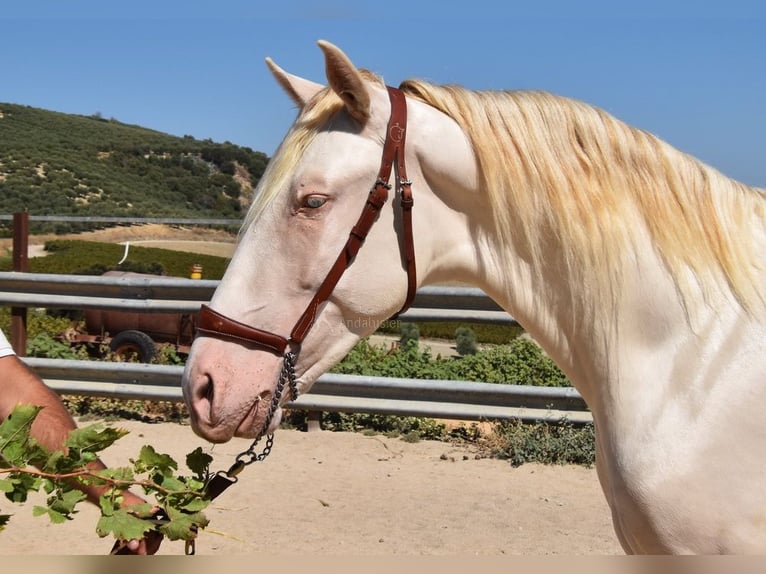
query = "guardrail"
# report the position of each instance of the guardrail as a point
(178, 294)
(332, 392)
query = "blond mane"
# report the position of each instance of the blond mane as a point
(558, 168)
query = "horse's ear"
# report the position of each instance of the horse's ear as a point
(346, 81)
(299, 90)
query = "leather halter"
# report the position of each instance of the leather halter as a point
(213, 324)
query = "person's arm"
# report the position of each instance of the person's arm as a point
(20, 385)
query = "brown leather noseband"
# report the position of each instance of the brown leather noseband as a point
(213, 324)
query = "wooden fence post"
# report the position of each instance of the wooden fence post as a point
(20, 263)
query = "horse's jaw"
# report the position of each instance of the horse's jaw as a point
(228, 390)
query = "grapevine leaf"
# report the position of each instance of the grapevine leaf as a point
(14, 435)
(150, 460)
(143, 510)
(47, 485)
(6, 485)
(66, 501)
(93, 438)
(123, 525)
(195, 505)
(55, 516)
(182, 525)
(107, 506)
(55, 460)
(199, 462)
(21, 484)
(173, 483)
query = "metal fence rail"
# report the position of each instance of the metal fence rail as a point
(332, 392)
(462, 400)
(177, 294)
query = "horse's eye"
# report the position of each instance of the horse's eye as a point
(314, 201)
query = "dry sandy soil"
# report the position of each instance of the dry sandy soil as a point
(323, 493)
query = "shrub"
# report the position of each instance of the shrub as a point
(545, 443)
(522, 362)
(46, 346)
(465, 341)
(408, 332)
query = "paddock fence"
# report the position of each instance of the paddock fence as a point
(442, 399)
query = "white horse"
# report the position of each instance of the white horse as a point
(638, 269)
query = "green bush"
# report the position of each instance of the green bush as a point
(46, 346)
(408, 428)
(408, 332)
(521, 362)
(545, 443)
(465, 341)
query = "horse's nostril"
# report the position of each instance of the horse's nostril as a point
(208, 390)
(204, 390)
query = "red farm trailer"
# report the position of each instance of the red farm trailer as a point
(131, 333)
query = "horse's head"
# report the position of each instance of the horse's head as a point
(287, 289)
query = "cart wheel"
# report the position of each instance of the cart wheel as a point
(133, 343)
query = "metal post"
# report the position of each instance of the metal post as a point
(314, 421)
(20, 263)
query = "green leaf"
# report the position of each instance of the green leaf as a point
(17, 423)
(54, 460)
(150, 460)
(144, 510)
(56, 517)
(183, 526)
(107, 505)
(173, 483)
(66, 501)
(93, 438)
(123, 525)
(6, 485)
(199, 462)
(195, 505)
(14, 436)
(21, 484)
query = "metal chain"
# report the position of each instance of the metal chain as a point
(249, 456)
(286, 376)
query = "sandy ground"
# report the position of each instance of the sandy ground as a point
(323, 493)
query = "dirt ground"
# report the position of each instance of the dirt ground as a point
(324, 493)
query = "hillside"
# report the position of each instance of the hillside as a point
(62, 164)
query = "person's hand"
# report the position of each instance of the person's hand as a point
(151, 541)
(149, 544)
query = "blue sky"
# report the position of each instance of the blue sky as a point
(694, 77)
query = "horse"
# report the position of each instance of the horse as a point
(638, 268)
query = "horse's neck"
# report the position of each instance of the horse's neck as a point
(593, 337)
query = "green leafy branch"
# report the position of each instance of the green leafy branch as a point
(26, 466)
